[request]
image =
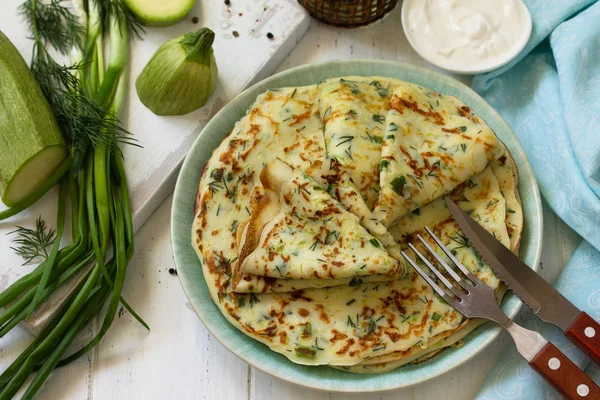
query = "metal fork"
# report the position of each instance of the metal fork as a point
(473, 298)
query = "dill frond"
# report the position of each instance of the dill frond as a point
(119, 9)
(53, 24)
(32, 244)
(83, 122)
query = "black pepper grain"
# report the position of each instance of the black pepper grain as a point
(227, 2)
(270, 35)
(235, 33)
(172, 271)
(195, 20)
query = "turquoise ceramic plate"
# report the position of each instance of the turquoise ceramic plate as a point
(258, 354)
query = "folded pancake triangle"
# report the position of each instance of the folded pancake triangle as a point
(432, 144)
(299, 231)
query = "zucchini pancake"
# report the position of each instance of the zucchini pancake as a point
(303, 209)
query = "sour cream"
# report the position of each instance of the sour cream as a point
(467, 36)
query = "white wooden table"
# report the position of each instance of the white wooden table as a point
(179, 358)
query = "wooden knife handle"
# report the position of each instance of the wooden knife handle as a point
(563, 375)
(585, 333)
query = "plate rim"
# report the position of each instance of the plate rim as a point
(188, 286)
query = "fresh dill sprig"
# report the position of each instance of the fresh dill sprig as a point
(54, 25)
(84, 123)
(122, 12)
(32, 244)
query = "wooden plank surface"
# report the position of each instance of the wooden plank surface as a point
(179, 359)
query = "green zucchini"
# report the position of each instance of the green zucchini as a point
(160, 12)
(31, 145)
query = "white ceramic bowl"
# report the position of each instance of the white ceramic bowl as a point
(467, 69)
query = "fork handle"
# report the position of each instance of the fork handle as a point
(585, 333)
(563, 375)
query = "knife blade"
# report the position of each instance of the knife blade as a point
(547, 303)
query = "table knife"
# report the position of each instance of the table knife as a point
(547, 303)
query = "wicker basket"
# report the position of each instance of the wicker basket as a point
(348, 13)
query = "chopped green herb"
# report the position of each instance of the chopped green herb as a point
(508, 210)
(316, 345)
(383, 92)
(379, 118)
(416, 180)
(416, 212)
(345, 139)
(480, 261)
(355, 282)
(462, 128)
(383, 165)
(241, 301)
(375, 242)
(491, 203)
(350, 302)
(371, 327)
(436, 317)
(350, 322)
(398, 184)
(382, 347)
(253, 299)
(463, 146)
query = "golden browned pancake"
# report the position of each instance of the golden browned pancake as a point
(364, 323)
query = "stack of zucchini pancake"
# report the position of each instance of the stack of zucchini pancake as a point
(304, 208)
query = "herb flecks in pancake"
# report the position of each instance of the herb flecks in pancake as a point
(432, 144)
(364, 323)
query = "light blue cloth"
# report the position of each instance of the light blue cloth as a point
(550, 96)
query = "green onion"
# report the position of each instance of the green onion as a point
(86, 99)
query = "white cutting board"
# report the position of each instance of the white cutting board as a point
(152, 170)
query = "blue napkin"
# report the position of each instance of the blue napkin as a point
(550, 96)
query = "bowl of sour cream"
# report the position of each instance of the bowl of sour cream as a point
(467, 36)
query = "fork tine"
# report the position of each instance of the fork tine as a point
(449, 299)
(460, 266)
(436, 272)
(439, 259)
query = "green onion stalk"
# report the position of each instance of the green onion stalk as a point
(86, 99)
